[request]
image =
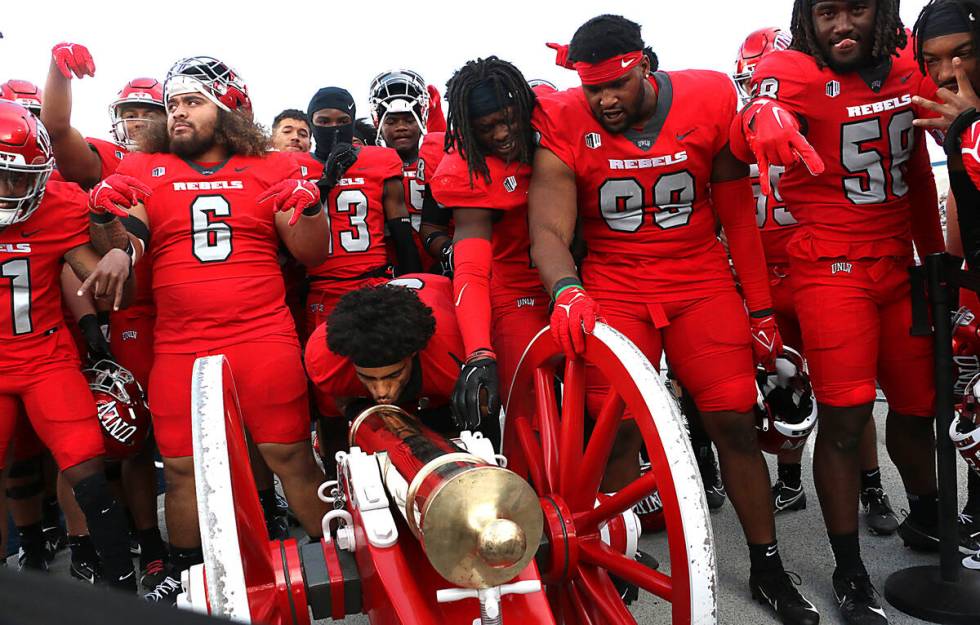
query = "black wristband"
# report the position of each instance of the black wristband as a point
(432, 236)
(101, 218)
(952, 143)
(759, 314)
(313, 211)
(561, 284)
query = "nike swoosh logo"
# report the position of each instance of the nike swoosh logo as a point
(681, 137)
(88, 578)
(878, 611)
(905, 79)
(459, 297)
(626, 62)
(26, 234)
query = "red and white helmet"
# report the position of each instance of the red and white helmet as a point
(966, 349)
(756, 46)
(26, 161)
(23, 92)
(123, 413)
(964, 431)
(541, 87)
(141, 91)
(787, 410)
(398, 91)
(211, 78)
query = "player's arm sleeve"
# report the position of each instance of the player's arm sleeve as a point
(734, 204)
(472, 259)
(927, 232)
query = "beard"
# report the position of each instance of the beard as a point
(192, 146)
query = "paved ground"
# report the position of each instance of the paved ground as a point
(804, 550)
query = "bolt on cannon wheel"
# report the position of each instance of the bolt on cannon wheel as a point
(545, 438)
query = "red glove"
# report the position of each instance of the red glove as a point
(766, 342)
(574, 316)
(970, 149)
(774, 137)
(436, 121)
(73, 58)
(117, 193)
(291, 194)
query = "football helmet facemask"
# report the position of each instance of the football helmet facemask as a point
(964, 430)
(121, 402)
(398, 91)
(757, 45)
(140, 91)
(26, 162)
(211, 78)
(787, 410)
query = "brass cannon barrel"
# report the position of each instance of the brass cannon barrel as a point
(478, 523)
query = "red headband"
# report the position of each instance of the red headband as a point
(597, 73)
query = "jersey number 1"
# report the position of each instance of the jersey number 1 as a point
(18, 271)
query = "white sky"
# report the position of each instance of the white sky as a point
(286, 54)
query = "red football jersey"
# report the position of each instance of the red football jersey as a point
(776, 224)
(110, 155)
(216, 278)
(430, 155)
(643, 196)
(512, 275)
(333, 376)
(861, 126)
(355, 212)
(31, 258)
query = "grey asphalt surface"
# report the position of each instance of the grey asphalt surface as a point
(803, 545)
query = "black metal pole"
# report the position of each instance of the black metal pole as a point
(940, 296)
(944, 593)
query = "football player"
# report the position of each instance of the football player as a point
(22, 92)
(500, 304)
(86, 161)
(777, 227)
(390, 344)
(363, 198)
(42, 227)
(848, 81)
(399, 103)
(642, 162)
(216, 282)
(947, 37)
(291, 131)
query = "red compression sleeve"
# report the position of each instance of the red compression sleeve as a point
(737, 141)
(734, 204)
(927, 232)
(472, 259)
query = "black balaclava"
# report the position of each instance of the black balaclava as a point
(326, 137)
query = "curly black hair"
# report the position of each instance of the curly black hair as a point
(365, 131)
(966, 9)
(604, 37)
(511, 86)
(889, 32)
(379, 326)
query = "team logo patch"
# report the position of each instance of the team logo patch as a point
(120, 154)
(593, 140)
(840, 267)
(158, 172)
(129, 335)
(832, 89)
(643, 144)
(510, 183)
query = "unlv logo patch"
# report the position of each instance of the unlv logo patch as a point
(158, 172)
(593, 140)
(832, 89)
(114, 425)
(510, 183)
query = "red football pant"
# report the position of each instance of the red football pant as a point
(131, 339)
(271, 387)
(320, 302)
(512, 329)
(61, 411)
(787, 321)
(855, 316)
(706, 340)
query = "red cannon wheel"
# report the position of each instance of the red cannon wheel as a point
(243, 581)
(545, 438)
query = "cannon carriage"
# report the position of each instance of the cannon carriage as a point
(430, 531)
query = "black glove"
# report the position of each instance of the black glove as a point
(446, 259)
(95, 339)
(479, 375)
(342, 157)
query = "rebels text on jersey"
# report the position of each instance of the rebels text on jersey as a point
(355, 214)
(643, 196)
(860, 123)
(334, 377)
(31, 258)
(213, 249)
(512, 275)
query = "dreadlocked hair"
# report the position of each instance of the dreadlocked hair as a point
(965, 7)
(383, 324)
(604, 37)
(511, 86)
(889, 32)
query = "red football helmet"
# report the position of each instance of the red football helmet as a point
(965, 428)
(398, 91)
(23, 92)
(787, 410)
(26, 162)
(966, 348)
(756, 46)
(123, 413)
(212, 79)
(541, 87)
(141, 91)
